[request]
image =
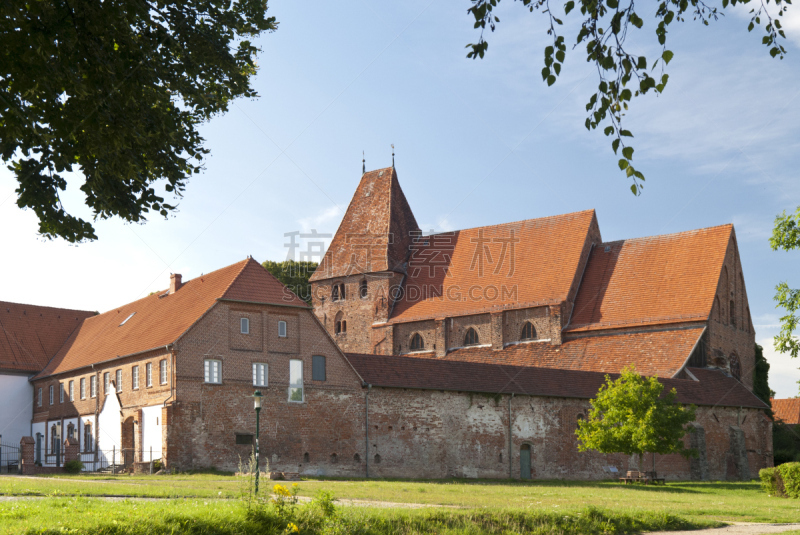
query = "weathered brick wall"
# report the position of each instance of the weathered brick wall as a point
(404, 331)
(457, 329)
(514, 320)
(732, 338)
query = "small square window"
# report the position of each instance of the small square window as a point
(260, 374)
(282, 329)
(244, 325)
(213, 371)
(244, 440)
(318, 368)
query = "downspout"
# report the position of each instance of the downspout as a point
(172, 386)
(510, 464)
(366, 429)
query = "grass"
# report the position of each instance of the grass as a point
(223, 517)
(731, 501)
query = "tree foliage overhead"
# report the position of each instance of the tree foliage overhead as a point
(631, 416)
(622, 74)
(116, 90)
(294, 275)
(786, 236)
(761, 378)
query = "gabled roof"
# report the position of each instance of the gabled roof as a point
(162, 318)
(654, 280)
(712, 387)
(375, 233)
(787, 410)
(30, 335)
(662, 353)
(512, 265)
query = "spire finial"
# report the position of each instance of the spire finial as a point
(363, 163)
(392, 155)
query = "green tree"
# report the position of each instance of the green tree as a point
(631, 416)
(786, 237)
(294, 275)
(761, 378)
(116, 90)
(603, 32)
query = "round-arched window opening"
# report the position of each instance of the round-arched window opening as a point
(528, 331)
(471, 338)
(357, 458)
(417, 342)
(377, 459)
(305, 457)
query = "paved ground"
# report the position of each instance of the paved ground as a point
(736, 528)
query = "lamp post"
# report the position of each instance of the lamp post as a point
(257, 404)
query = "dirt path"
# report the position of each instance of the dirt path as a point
(736, 528)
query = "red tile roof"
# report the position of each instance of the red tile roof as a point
(375, 233)
(712, 387)
(513, 265)
(661, 353)
(787, 410)
(654, 280)
(30, 335)
(158, 319)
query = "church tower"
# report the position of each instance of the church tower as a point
(353, 286)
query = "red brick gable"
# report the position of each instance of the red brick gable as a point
(787, 410)
(161, 319)
(30, 335)
(512, 265)
(654, 280)
(375, 233)
(661, 353)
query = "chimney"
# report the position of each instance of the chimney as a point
(174, 282)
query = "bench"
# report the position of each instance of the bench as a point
(634, 476)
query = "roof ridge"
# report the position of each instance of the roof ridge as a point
(239, 274)
(44, 306)
(669, 235)
(590, 210)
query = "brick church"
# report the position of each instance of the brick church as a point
(465, 354)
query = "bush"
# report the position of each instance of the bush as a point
(73, 467)
(783, 480)
(157, 465)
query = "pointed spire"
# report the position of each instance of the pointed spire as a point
(363, 163)
(392, 155)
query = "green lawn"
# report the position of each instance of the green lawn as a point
(692, 500)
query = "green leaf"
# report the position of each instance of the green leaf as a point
(625, 133)
(627, 152)
(608, 130)
(667, 56)
(551, 80)
(615, 145)
(569, 6)
(634, 190)
(623, 163)
(560, 56)
(629, 171)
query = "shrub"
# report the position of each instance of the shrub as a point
(157, 465)
(783, 480)
(73, 467)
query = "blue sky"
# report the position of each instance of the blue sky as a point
(477, 142)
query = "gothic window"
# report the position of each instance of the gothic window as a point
(417, 343)
(340, 324)
(528, 331)
(362, 289)
(54, 444)
(341, 292)
(71, 432)
(733, 314)
(335, 293)
(736, 367)
(471, 338)
(87, 437)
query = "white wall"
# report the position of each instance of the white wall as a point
(151, 432)
(109, 430)
(16, 407)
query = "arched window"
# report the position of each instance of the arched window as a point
(417, 342)
(71, 431)
(341, 292)
(736, 367)
(733, 313)
(357, 458)
(340, 325)
(528, 331)
(716, 309)
(87, 437)
(305, 457)
(362, 289)
(335, 293)
(471, 338)
(334, 458)
(54, 440)
(344, 326)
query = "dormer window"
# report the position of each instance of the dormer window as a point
(528, 332)
(244, 325)
(471, 338)
(417, 342)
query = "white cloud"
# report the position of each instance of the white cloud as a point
(783, 371)
(321, 221)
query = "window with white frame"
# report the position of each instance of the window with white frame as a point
(61, 392)
(39, 397)
(148, 373)
(72, 390)
(296, 380)
(93, 386)
(106, 382)
(83, 387)
(260, 374)
(135, 377)
(119, 380)
(282, 329)
(213, 371)
(163, 371)
(244, 325)
(52, 395)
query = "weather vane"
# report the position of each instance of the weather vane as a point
(363, 163)
(392, 155)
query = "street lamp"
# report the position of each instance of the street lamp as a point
(257, 404)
